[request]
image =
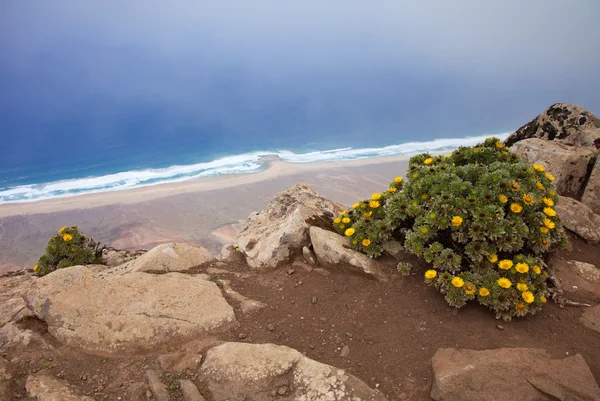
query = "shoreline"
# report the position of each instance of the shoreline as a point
(275, 169)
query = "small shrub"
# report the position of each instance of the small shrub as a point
(69, 247)
(481, 216)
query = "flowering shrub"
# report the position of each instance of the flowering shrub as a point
(69, 247)
(481, 216)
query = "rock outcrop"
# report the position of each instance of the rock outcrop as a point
(114, 257)
(254, 371)
(580, 219)
(508, 374)
(570, 165)
(591, 194)
(334, 249)
(112, 313)
(44, 387)
(270, 237)
(564, 123)
(172, 257)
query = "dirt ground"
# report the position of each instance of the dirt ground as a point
(385, 333)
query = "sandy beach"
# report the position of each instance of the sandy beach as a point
(207, 211)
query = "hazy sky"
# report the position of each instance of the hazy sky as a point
(224, 70)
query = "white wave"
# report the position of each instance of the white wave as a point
(238, 164)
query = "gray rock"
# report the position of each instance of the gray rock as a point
(393, 248)
(115, 313)
(508, 374)
(580, 219)
(114, 257)
(229, 254)
(308, 255)
(591, 194)
(44, 387)
(269, 238)
(190, 391)
(334, 249)
(158, 388)
(568, 164)
(591, 318)
(172, 257)
(345, 351)
(237, 370)
(564, 123)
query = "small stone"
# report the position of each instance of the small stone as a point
(345, 351)
(313, 300)
(500, 327)
(241, 336)
(311, 346)
(273, 393)
(270, 327)
(291, 271)
(282, 390)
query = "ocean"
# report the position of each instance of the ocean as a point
(126, 167)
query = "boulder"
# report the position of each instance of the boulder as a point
(114, 257)
(570, 165)
(580, 219)
(270, 237)
(508, 374)
(44, 387)
(6, 378)
(253, 371)
(577, 277)
(564, 123)
(590, 318)
(591, 194)
(230, 254)
(112, 313)
(190, 391)
(172, 257)
(334, 249)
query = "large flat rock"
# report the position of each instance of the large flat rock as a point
(253, 371)
(111, 313)
(510, 374)
(580, 219)
(44, 387)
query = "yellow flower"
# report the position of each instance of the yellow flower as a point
(356, 206)
(516, 208)
(544, 230)
(424, 196)
(549, 212)
(539, 185)
(428, 161)
(504, 282)
(528, 199)
(368, 214)
(457, 221)
(349, 232)
(432, 215)
(398, 179)
(342, 213)
(35, 267)
(528, 297)
(522, 287)
(539, 167)
(345, 220)
(430, 274)
(499, 145)
(537, 270)
(522, 267)
(548, 201)
(373, 204)
(366, 242)
(543, 299)
(503, 199)
(476, 150)
(493, 258)
(552, 193)
(520, 306)
(514, 186)
(549, 223)
(544, 241)
(505, 264)
(392, 190)
(550, 176)
(342, 226)
(67, 237)
(470, 289)
(424, 230)
(337, 220)
(458, 282)
(484, 292)
(62, 229)
(376, 196)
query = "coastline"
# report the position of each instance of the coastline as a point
(275, 169)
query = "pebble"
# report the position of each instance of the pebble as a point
(282, 390)
(270, 327)
(314, 300)
(500, 327)
(291, 271)
(241, 336)
(345, 351)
